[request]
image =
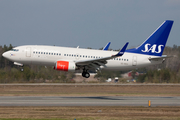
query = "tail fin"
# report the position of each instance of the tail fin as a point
(155, 43)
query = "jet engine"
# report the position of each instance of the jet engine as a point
(65, 66)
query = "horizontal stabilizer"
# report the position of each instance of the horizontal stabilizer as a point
(161, 57)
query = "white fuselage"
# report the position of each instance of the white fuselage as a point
(49, 55)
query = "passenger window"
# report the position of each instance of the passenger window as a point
(124, 59)
(74, 55)
(64, 54)
(59, 53)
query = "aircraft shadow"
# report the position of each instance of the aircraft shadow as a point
(98, 97)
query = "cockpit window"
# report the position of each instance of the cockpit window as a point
(15, 50)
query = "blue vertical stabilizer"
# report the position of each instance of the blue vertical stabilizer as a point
(155, 43)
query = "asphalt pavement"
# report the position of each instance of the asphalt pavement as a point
(88, 101)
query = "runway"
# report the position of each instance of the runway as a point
(87, 101)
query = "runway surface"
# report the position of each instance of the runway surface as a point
(87, 101)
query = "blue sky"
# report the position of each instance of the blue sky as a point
(85, 23)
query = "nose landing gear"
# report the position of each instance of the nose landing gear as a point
(20, 66)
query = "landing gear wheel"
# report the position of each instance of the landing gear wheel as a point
(83, 74)
(22, 69)
(86, 74)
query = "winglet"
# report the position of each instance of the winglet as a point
(107, 46)
(121, 52)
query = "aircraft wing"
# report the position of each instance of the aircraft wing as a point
(96, 63)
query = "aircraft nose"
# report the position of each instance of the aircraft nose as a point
(5, 54)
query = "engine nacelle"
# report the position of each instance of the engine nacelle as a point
(65, 66)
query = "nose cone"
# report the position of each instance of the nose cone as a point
(5, 54)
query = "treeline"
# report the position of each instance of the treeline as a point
(168, 72)
(34, 74)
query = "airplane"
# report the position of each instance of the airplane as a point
(72, 59)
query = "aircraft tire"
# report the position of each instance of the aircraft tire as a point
(87, 75)
(83, 74)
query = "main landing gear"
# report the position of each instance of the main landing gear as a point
(21, 69)
(85, 74)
